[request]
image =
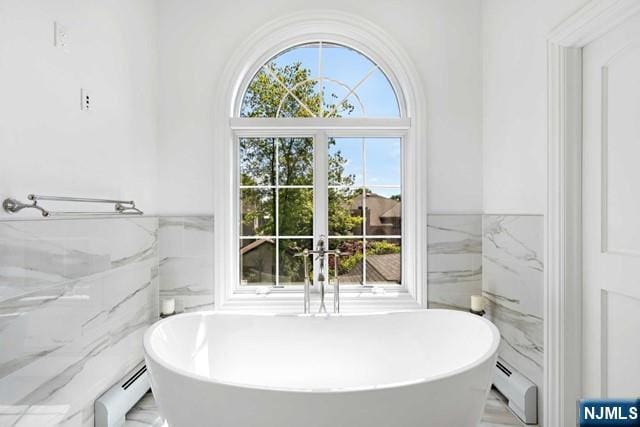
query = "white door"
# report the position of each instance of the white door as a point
(611, 213)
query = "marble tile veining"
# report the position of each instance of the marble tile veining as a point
(186, 261)
(513, 284)
(76, 296)
(454, 260)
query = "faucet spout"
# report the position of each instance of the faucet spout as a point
(321, 278)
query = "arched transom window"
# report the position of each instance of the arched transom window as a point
(319, 142)
(320, 80)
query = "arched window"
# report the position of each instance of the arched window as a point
(295, 189)
(321, 143)
(320, 80)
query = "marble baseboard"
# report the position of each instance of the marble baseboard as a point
(454, 260)
(75, 299)
(186, 261)
(513, 284)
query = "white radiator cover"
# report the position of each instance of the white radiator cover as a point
(521, 393)
(111, 408)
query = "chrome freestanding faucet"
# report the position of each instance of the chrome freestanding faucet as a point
(322, 255)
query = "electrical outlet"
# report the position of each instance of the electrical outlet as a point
(60, 35)
(85, 100)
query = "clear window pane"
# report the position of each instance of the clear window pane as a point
(295, 161)
(334, 58)
(383, 161)
(339, 101)
(384, 261)
(292, 266)
(306, 55)
(378, 96)
(276, 175)
(345, 161)
(257, 161)
(383, 212)
(350, 263)
(303, 98)
(257, 209)
(257, 262)
(295, 207)
(345, 212)
(368, 207)
(263, 96)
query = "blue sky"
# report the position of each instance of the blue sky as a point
(382, 157)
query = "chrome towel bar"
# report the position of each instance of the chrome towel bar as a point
(121, 207)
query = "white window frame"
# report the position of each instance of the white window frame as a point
(364, 37)
(243, 128)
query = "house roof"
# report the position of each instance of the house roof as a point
(379, 207)
(380, 268)
(251, 246)
(394, 212)
(387, 267)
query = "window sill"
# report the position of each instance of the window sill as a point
(350, 302)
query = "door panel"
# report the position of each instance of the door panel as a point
(621, 151)
(611, 213)
(621, 326)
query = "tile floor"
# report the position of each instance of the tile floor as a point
(496, 413)
(145, 414)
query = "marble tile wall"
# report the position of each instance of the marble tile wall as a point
(513, 284)
(77, 295)
(75, 299)
(502, 258)
(454, 260)
(186, 261)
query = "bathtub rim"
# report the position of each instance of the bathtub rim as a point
(151, 353)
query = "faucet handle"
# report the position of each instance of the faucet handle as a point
(304, 253)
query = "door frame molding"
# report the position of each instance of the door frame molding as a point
(563, 220)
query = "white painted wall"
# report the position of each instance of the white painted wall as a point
(441, 36)
(514, 82)
(485, 79)
(49, 146)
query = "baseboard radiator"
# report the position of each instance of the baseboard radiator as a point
(111, 408)
(521, 393)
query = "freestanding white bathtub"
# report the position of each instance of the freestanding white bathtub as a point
(418, 368)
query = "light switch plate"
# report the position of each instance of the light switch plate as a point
(85, 100)
(60, 35)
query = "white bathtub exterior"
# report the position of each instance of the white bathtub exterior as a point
(418, 368)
